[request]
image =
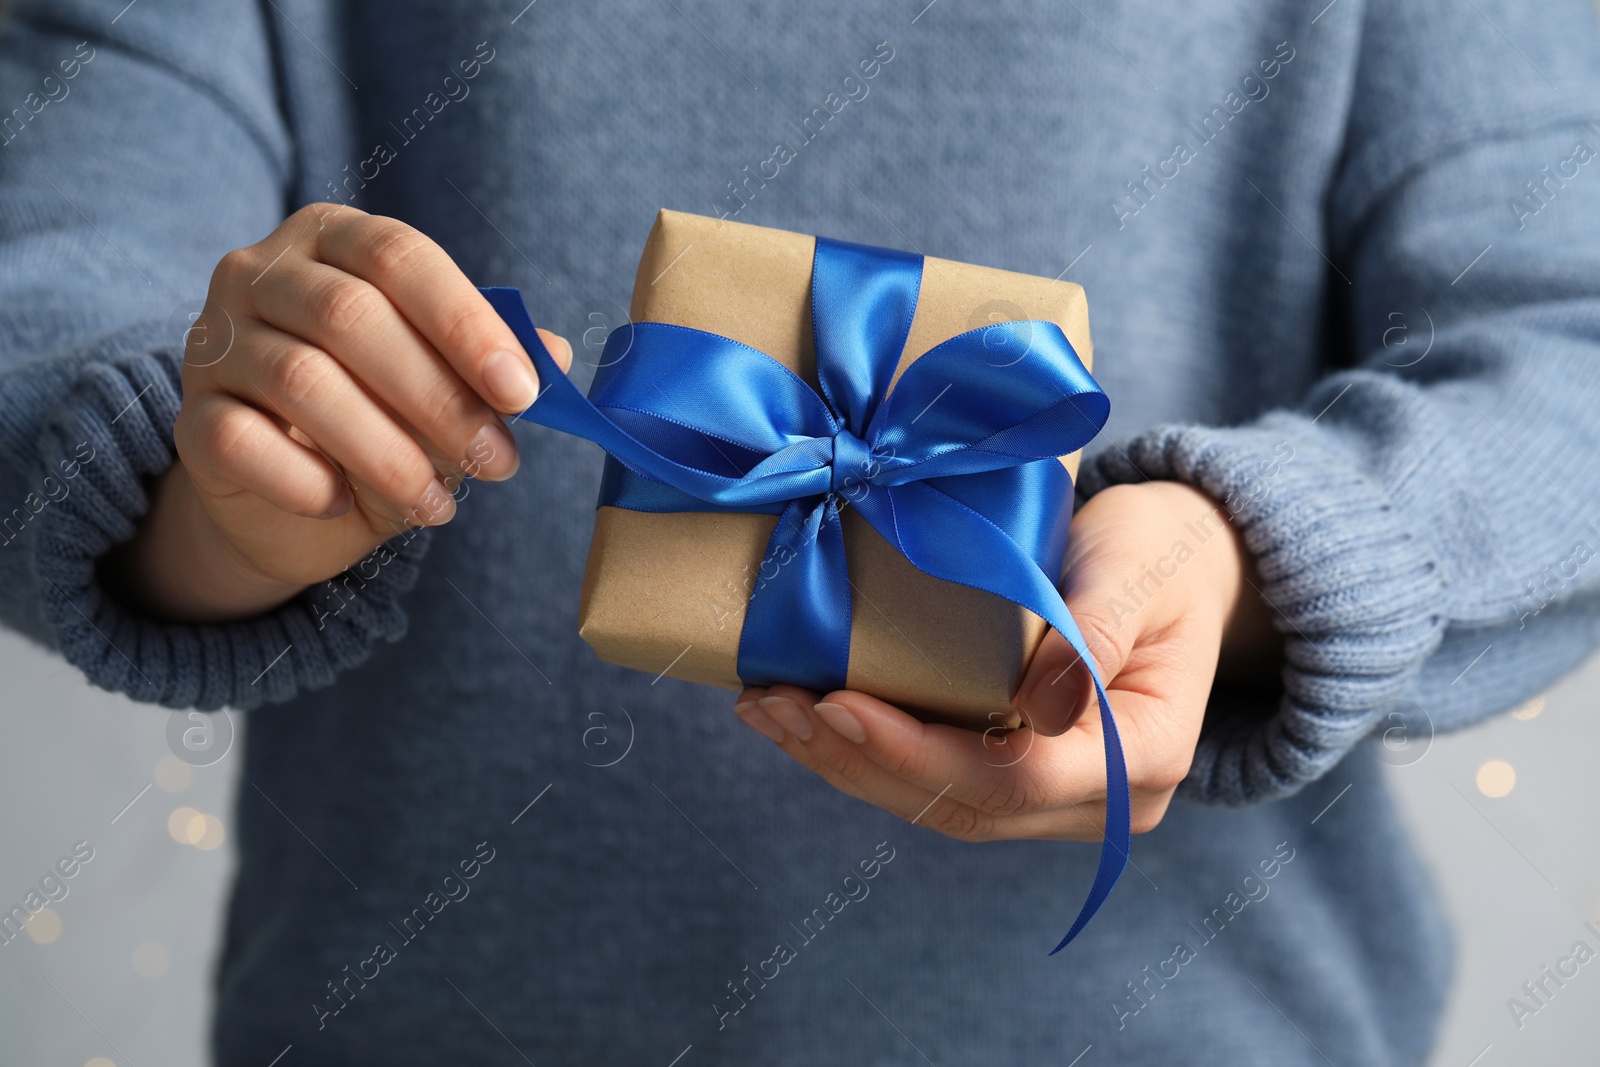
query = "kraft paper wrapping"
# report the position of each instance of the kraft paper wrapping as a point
(667, 592)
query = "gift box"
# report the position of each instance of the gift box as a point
(667, 592)
(836, 466)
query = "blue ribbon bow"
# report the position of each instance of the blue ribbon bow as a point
(957, 468)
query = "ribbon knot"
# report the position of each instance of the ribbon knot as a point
(853, 466)
(956, 468)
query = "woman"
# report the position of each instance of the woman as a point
(1255, 198)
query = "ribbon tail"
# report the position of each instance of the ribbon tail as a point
(1118, 837)
(948, 539)
(797, 627)
(561, 406)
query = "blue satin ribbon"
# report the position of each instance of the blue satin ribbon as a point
(956, 468)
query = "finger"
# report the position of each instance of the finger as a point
(1148, 810)
(789, 706)
(1056, 772)
(1084, 821)
(428, 288)
(393, 478)
(353, 321)
(842, 764)
(229, 446)
(559, 347)
(748, 708)
(1057, 689)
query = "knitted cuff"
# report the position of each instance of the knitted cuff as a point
(1355, 592)
(100, 445)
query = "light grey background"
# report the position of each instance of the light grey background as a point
(1520, 874)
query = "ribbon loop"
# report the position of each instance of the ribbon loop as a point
(862, 303)
(955, 468)
(954, 412)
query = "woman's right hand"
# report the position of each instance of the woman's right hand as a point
(342, 380)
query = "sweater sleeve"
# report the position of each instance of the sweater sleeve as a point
(1424, 523)
(145, 147)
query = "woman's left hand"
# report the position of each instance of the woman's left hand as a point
(1158, 582)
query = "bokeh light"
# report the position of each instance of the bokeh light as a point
(186, 826)
(1496, 778)
(44, 926)
(173, 775)
(211, 836)
(150, 960)
(1530, 710)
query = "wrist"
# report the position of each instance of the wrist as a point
(1252, 649)
(179, 566)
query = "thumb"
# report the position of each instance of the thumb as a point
(1057, 688)
(559, 347)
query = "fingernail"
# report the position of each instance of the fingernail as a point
(843, 720)
(752, 716)
(789, 715)
(492, 455)
(342, 505)
(510, 379)
(436, 507)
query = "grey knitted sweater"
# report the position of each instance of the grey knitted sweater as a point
(1343, 268)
